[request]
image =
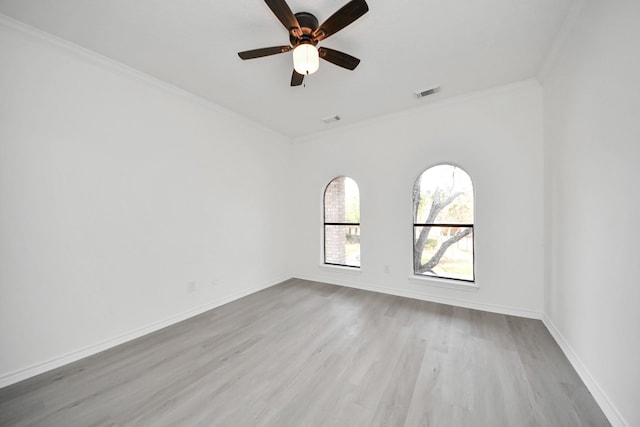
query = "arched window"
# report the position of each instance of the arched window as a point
(443, 224)
(342, 223)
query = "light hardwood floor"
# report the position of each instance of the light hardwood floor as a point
(309, 354)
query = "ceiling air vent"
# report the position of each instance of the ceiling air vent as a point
(331, 119)
(428, 92)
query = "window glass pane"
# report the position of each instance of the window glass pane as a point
(342, 201)
(342, 245)
(444, 252)
(443, 194)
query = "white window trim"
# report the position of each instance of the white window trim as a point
(341, 268)
(442, 282)
(334, 267)
(446, 282)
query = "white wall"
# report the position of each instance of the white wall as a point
(115, 192)
(592, 156)
(495, 136)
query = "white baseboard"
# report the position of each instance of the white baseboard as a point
(492, 308)
(39, 368)
(610, 411)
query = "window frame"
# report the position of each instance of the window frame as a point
(421, 276)
(332, 224)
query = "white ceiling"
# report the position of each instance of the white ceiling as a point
(405, 47)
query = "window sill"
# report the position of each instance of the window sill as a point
(341, 269)
(444, 283)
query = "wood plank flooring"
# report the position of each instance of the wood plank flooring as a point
(310, 354)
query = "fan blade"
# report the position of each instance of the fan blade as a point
(265, 51)
(281, 9)
(343, 17)
(296, 78)
(341, 59)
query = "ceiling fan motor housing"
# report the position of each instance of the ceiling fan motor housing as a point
(308, 24)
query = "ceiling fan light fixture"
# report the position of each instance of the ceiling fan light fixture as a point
(306, 59)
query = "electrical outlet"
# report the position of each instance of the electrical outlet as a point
(191, 286)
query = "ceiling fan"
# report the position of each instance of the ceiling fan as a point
(304, 35)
